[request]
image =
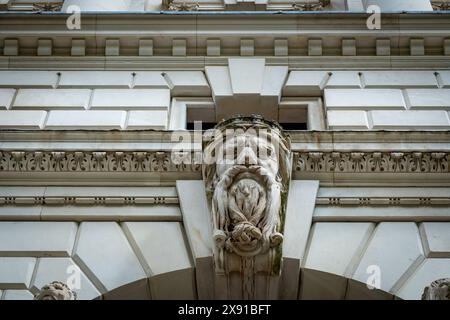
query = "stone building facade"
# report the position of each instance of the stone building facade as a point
(104, 188)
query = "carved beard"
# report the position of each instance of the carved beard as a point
(246, 204)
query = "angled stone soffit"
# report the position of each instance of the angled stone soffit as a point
(247, 202)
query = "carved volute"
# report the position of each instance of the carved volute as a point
(247, 166)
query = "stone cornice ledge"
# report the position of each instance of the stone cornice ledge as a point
(359, 158)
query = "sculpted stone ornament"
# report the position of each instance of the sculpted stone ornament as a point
(247, 166)
(56, 291)
(437, 290)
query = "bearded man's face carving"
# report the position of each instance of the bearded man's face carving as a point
(250, 172)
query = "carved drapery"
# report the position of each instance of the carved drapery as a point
(247, 166)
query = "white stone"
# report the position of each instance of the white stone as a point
(131, 99)
(364, 99)
(305, 83)
(16, 273)
(409, 213)
(347, 120)
(274, 78)
(17, 295)
(78, 47)
(220, 81)
(342, 79)
(410, 119)
(445, 77)
(349, 47)
(335, 247)
(400, 79)
(436, 239)
(112, 47)
(198, 226)
(19, 119)
(86, 119)
(153, 240)
(299, 212)
(152, 119)
(281, 47)
(105, 255)
(11, 47)
(95, 79)
(6, 97)
(383, 47)
(63, 269)
(315, 47)
(150, 80)
(27, 79)
(179, 47)
(384, 192)
(52, 239)
(45, 47)
(246, 75)
(187, 83)
(86, 210)
(213, 47)
(429, 98)
(52, 98)
(429, 271)
(20, 213)
(105, 5)
(86, 191)
(394, 248)
(417, 47)
(146, 47)
(355, 5)
(247, 47)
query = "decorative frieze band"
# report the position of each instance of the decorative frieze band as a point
(102, 161)
(372, 162)
(91, 201)
(383, 201)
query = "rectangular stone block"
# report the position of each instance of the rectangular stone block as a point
(445, 78)
(364, 99)
(179, 47)
(247, 47)
(6, 97)
(315, 47)
(37, 239)
(347, 120)
(150, 80)
(146, 47)
(187, 83)
(95, 79)
(16, 273)
(410, 120)
(349, 47)
(281, 47)
(18, 295)
(417, 47)
(19, 119)
(27, 79)
(154, 119)
(213, 47)
(383, 47)
(78, 47)
(11, 47)
(131, 99)
(429, 98)
(112, 47)
(305, 83)
(68, 119)
(400, 79)
(343, 79)
(436, 239)
(52, 98)
(45, 47)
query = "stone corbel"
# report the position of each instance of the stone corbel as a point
(56, 291)
(247, 166)
(437, 290)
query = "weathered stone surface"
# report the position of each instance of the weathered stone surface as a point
(111, 263)
(51, 239)
(131, 99)
(52, 99)
(66, 119)
(364, 99)
(347, 120)
(436, 239)
(19, 119)
(410, 120)
(16, 273)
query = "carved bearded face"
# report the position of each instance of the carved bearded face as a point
(246, 181)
